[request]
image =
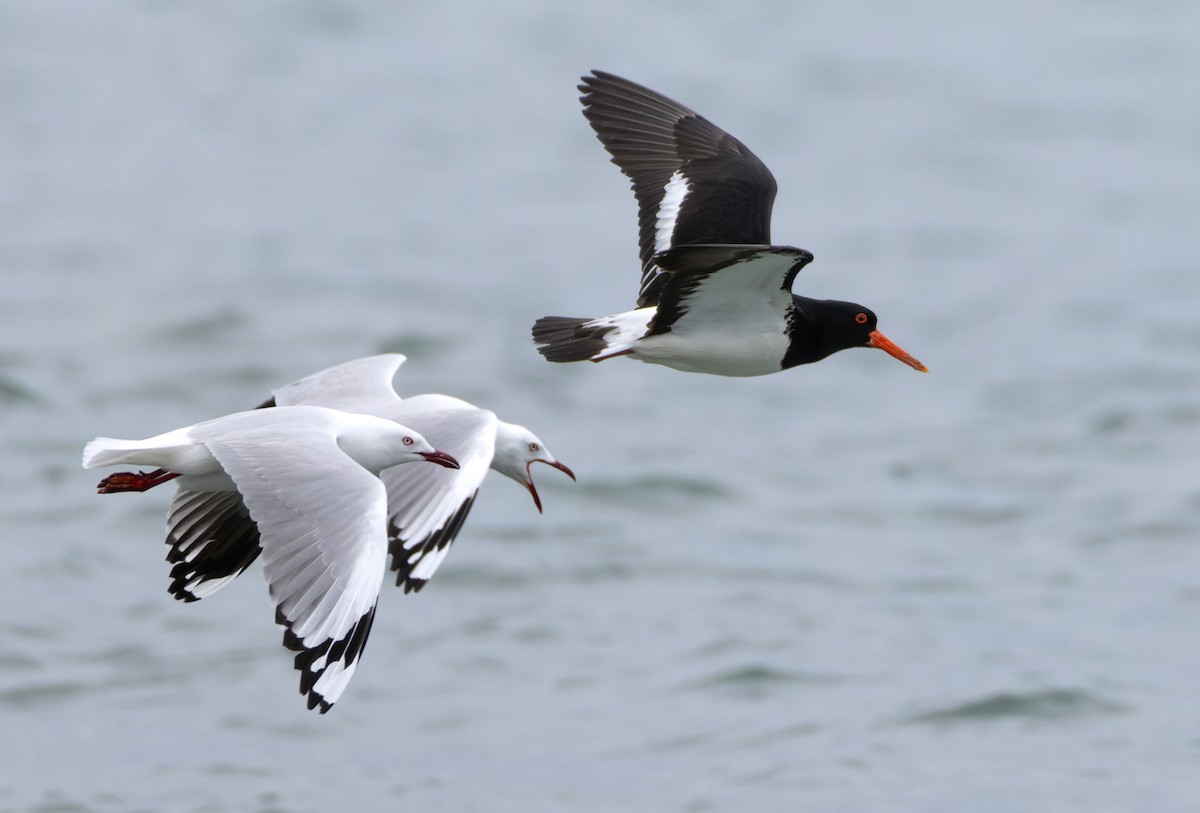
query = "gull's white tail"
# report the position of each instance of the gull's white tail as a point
(172, 450)
(113, 452)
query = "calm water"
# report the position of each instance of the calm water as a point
(847, 588)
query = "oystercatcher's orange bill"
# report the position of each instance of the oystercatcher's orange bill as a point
(892, 349)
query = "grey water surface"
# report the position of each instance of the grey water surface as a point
(849, 587)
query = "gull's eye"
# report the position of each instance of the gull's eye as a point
(408, 441)
(860, 317)
(533, 447)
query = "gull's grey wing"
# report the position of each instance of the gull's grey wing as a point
(322, 522)
(427, 505)
(361, 385)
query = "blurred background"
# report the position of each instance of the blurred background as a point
(848, 587)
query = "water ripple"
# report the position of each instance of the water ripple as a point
(41, 692)
(753, 680)
(1045, 704)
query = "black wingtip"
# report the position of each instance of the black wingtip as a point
(406, 557)
(596, 75)
(588, 80)
(604, 83)
(346, 651)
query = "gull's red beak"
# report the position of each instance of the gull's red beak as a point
(892, 349)
(529, 479)
(563, 468)
(441, 458)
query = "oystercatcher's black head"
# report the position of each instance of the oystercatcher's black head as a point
(823, 327)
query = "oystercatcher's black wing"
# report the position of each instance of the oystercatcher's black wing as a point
(694, 182)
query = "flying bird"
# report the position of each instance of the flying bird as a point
(308, 479)
(716, 295)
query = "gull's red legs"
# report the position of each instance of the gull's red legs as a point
(134, 481)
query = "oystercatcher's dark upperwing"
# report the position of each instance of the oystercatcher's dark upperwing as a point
(694, 183)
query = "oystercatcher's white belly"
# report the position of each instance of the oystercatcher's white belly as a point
(716, 350)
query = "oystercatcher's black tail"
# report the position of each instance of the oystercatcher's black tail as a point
(567, 338)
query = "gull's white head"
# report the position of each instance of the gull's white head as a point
(516, 450)
(377, 444)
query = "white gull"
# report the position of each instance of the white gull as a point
(308, 478)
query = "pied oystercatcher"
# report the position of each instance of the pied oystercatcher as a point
(716, 295)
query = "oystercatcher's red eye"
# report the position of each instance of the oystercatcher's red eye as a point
(860, 317)
(408, 441)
